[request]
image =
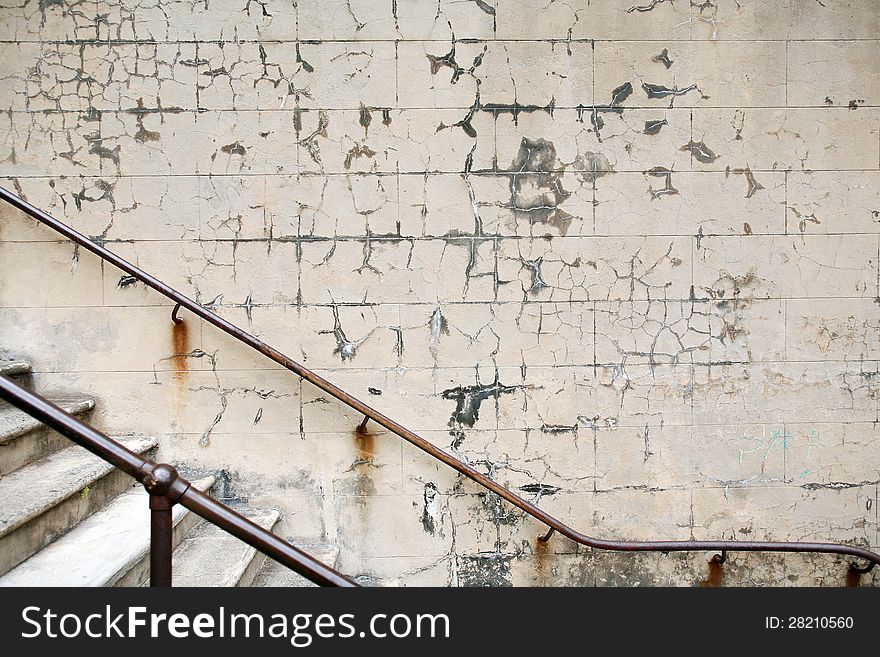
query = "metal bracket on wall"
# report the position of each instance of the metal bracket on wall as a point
(546, 537)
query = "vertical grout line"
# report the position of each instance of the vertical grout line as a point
(877, 285)
(785, 210)
(785, 330)
(786, 72)
(593, 102)
(784, 452)
(595, 340)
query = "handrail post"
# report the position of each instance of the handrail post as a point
(160, 540)
(165, 487)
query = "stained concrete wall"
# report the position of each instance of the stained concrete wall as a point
(621, 256)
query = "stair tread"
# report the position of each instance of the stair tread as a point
(14, 367)
(210, 556)
(31, 490)
(100, 549)
(276, 574)
(14, 422)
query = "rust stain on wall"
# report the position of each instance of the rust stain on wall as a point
(364, 444)
(179, 351)
(542, 567)
(853, 579)
(714, 575)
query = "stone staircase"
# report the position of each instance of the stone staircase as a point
(68, 518)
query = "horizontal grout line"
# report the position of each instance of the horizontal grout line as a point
(560, 40)
(520, 109)
(472, 431)
(343, 304)
(311, 173)
(398, 369)
(434, 304)
(320, 239)
(369, 174)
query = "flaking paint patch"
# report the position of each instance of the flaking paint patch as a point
(485, 570)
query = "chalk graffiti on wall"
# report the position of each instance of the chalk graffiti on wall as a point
(762, 441)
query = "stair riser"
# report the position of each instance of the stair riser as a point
(250, 574)
(21, 543)
(139, 574)
(30, 447)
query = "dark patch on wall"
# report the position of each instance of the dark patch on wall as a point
(653, 127)
(648, 7)
(346, 349)
(484, 570)
(591, 166)
(536, 190)
(357, 151)
(468, 400)
(660, 91)
(804, 219)
(753, 185)
(486, 7)
(540, 490)
(310, 142)
(618, 95)
(366, 116)
(730, 287)
(534, 267)
(437, 326)
(621, 93)
(558, 428)
(662, 58)
(448, 61)
(700, 151)
(143, 135)
(429, 508)
(666, 175)
(308, 68)
(235, 148)
(96, 147)
(498, 511)
(515, 109)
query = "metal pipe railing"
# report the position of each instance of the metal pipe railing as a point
(370, 413)
(167, 488)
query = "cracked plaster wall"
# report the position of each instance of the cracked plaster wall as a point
(621, 256)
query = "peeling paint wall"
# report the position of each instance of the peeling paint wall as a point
(622, 256)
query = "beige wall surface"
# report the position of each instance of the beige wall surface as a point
(620, 255)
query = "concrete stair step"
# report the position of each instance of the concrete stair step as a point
(24, 439)
(274, 574)
(209, 556)
(43, 500)
(109, 548)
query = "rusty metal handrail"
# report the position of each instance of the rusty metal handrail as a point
(167, 488)
(370, 413)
